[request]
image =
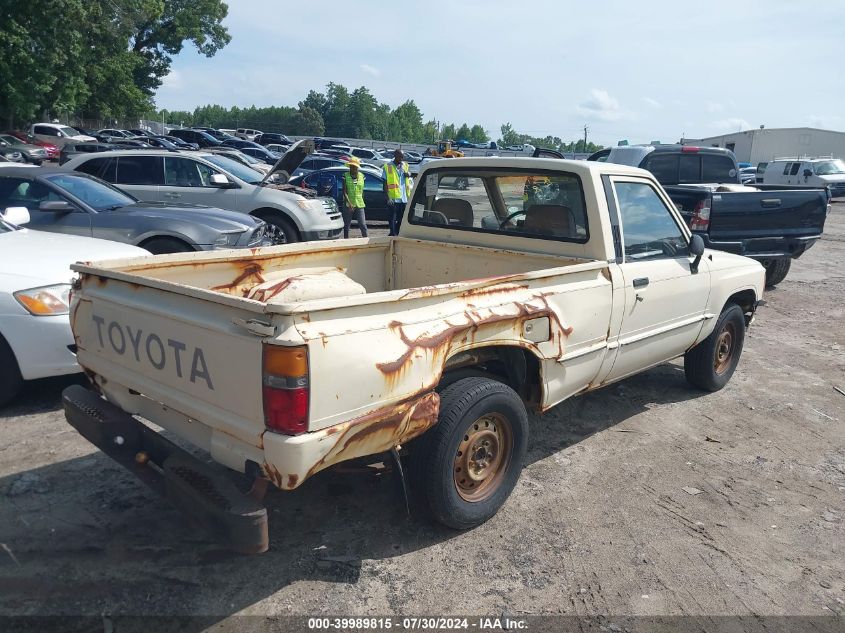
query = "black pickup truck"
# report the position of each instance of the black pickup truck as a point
(772, 224)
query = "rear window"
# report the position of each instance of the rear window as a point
(664, 167)
(525, 203)
(717, 168)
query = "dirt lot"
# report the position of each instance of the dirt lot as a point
(600, 522)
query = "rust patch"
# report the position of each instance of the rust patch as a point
(605, 272)
(488, 290)
(264, 294)
(270, 471)
(292, 481)
(381, 430)
(252, 270)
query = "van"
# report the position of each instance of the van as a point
(808, 172)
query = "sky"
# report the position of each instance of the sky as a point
(635, 70)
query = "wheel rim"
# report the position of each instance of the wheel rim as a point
(724, 348)
(277, 235)
(482, 457)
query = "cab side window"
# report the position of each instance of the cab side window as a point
(648, 226)
(795, 168)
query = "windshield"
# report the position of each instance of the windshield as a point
(11, 140)
(96, 194)
(830, 167)
(69, 131)
(235, 168)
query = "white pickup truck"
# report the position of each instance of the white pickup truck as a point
(540, 280)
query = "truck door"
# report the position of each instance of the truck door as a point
(664, 299)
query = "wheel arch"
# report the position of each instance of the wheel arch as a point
(515, 365)
(149, 236)
(262, 213)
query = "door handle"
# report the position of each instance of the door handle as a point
(641, 282)
(770, 203)
(172, 195)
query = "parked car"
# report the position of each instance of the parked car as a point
(248, 134)
(808, 172)
(156, 141)
(442, 339)
(31, 153)
(75, 149)
(748, 175)
(329, 182)
(57, 134)
(136, 131)
(75, 203)
(773, 226)
(209, 179)
(262, 154)
(51, 149)
(178, 142)
(35, 336)
(278, 148)
(218, 134)
(370, 156)
(245, 159)
(239, 143)
(113, 133)
(313, 163)
(410, 156)
(128, 143)
(265, 138)
(200, 138)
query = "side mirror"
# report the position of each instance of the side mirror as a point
(16, 215)
(807, 173)
(696, 249)
(56, 206)
(219, 180)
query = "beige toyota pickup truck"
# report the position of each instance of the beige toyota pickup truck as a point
(534, 281)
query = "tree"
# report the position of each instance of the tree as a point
(448, 131)
(477, 135)
(462, 133)
(310, 122)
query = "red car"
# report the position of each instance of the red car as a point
(52, 150)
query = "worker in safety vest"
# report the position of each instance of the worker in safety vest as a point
(397, 186)
(353, 197)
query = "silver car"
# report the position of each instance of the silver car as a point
(218, 181)
(77, 204)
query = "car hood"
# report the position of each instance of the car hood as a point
(833, 178)
(31, 258)
(221, 219)
(290, 160)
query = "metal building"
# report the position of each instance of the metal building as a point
(755, 146)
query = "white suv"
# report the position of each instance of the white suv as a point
(215, 180)
(248, 134)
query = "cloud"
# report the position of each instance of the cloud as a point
(731, 124)
(173, 80)
(654, 103)
(714, 107)
(371, 70)
(600, 105)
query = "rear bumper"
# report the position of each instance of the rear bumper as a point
(204, 494)
(764, 247)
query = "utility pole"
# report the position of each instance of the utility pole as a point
(585, 137)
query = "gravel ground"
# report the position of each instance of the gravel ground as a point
(646, 497)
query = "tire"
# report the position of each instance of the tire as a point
(477, 412)
(462, 183)
(10, 374)
(163, 245)
(285, 231)
(710, 364)
(776, 271)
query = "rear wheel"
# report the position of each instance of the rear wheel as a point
(776, 270)
(710, 364)
(163, 245)
(10, 374)
(466, 466)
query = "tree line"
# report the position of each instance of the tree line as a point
(337, 112)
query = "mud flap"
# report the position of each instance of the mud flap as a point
(205, 495)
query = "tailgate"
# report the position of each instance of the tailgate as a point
(776, 213)
(179, 350)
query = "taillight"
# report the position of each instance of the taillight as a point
(701, 216)
(285, 389)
